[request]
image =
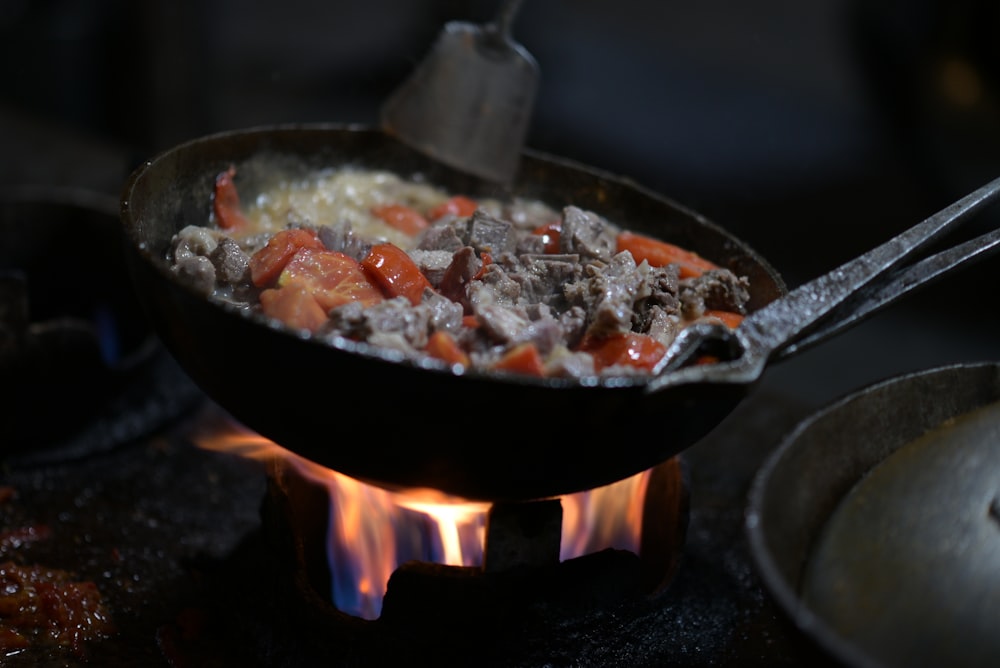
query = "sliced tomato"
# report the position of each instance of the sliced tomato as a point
(661, 253)
(459, 205)
(226, 203)
(487, 261)
(443, 346)
(403, 218)
(522, 358)
(267, 263)
(294, 305)
(550, 232)
(332, 278)
(627, 348)
(388, 266)
(731, 320)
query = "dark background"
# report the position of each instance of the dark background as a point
(812, 130)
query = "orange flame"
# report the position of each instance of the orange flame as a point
(373, 530)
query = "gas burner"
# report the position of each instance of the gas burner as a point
(572, 553)
(81, 370)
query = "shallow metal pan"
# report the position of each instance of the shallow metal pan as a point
(364, 413)
(876, 523)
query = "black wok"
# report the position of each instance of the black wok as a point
(366, 413)
(362, 412)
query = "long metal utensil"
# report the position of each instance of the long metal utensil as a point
(469, 103)
(830, 303)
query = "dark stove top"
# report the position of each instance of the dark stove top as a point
(172, 535)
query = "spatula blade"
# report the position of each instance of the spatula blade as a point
(469, 103)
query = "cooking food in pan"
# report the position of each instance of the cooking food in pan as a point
(370, 411)
(478, 430)
(508, 285)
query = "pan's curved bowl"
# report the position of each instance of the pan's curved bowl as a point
(871, 522)
(396, 423)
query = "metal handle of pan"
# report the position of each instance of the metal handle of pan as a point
(830, 303)
(900, 282)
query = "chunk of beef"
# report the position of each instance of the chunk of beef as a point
(190, 249)
(196, 271)
(443, 313)
(529, 244)
(587, 235)
(194, 240)
(511, 326)
(574, 325)
(662, 325)
(394, 323)
(454, 283)
(447, 235)
(610, 292)
(542, 277)
(232, 264)
(340, 237)
(433, 264)
(663, 301)
(232, 273)
(488, 234)
(494, 286)
(718, 289)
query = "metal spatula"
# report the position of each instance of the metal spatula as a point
(470, 101)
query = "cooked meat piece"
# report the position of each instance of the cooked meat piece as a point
(610, 292)
(394, 323)
(190, 249)
(340, 237)
(444, 314)
(231, 263)
(492, 283)
(465, 264)
(502, 324)
(488, 234)
(529, 244)
(543, 277)
(587, 235)
(494, 286)
(718, 289)
(446, 235)
(574, 324)
(194, 240)
(660, 324)
(433, 263)
(197, 271)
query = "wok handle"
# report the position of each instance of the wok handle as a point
(858, 288)
(900, 283)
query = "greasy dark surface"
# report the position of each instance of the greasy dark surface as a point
(172, 535)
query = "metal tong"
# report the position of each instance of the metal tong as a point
(829, 304)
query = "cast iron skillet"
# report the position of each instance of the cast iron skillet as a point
(876, 523)
(365, 413)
